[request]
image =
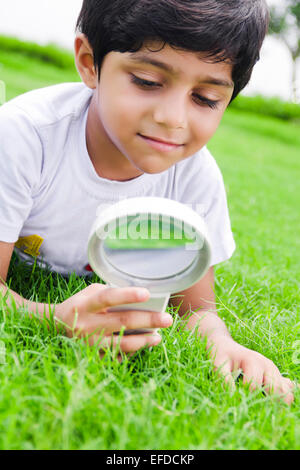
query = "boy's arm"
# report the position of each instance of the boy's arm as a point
(228, 356)
(200, 301)
(6, 250)
(86, 314)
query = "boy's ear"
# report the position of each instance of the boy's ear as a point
(84, 60)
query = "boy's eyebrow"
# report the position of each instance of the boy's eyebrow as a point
(144, 59)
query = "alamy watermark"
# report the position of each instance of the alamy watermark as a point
(150, 226)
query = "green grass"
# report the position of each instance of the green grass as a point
(57, 394)
(268, 107)
(22, 72)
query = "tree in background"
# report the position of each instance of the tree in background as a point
(285, 24)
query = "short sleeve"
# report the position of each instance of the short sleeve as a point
(200, 185)
(20, 169)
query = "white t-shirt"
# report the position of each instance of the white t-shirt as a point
(49, 187)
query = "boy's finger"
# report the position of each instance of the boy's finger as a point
(113, 296)
(286, 390)
(128, 319)
(288, 397)
(276, 384)
(225, 370)
(253, 376)
(131, 343)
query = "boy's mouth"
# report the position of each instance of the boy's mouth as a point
(160, 144)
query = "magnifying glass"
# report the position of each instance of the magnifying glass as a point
(150, 242)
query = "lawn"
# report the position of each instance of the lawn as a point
(57, 394)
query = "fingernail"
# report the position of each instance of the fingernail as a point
(143, 294)
(166, 320)
(156, 340)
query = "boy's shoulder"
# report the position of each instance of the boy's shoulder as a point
(36, 127)
(46, 106)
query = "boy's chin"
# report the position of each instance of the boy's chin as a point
(153, 168)
(153, 171)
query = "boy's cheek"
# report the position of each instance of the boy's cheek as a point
(119, 114)
(206, 129)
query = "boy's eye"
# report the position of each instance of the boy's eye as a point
(201, 100)
(144, 83)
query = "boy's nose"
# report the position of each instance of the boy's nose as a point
(171, 112)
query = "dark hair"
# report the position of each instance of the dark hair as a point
(231, 30)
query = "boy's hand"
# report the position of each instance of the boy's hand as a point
(258, 371)
(85, 315)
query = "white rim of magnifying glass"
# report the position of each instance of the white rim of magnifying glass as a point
(164, 207)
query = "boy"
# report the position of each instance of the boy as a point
(157, 77)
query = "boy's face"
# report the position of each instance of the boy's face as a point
(146, 97)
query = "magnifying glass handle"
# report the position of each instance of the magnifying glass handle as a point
(156, 303)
